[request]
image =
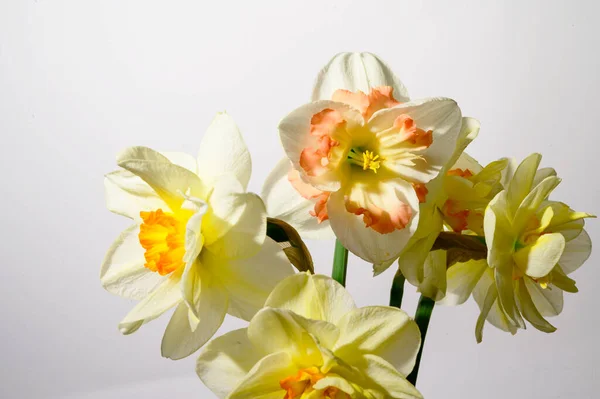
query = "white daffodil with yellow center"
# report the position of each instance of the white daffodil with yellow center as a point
(533, 245)
(198, 242)
(367, 154)
(311, 342)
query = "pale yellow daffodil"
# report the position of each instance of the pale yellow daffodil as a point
(533, 245)
(198, 242)
(311, 342)
(364, 151)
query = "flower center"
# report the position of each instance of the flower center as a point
(162, 235)
(366, 159)
(302, 383)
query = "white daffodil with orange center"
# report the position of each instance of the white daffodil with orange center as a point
(311, 342)
(533, 245)
(198, 242)
(370, 154)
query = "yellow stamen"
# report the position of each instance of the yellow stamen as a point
(296, 386)
(367, 159)
(162, 235)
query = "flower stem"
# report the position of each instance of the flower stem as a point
(422, 317)
(397, 290)
(340, 262)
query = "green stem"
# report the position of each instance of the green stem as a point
(422, 317)
(397, 290)
(340, 262)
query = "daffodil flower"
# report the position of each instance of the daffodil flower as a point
(369, 150)
(310, 342)
(198, 240)
(533, 245)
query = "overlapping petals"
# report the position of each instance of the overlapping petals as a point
(198, 242)
(364, 152)
(319, 346)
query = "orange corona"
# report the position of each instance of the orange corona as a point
(162, 235)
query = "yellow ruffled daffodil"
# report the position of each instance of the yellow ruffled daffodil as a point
(533, 245)
(310, 342)
(198, 242)
(363, 151)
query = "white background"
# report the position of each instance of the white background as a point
(80, 80)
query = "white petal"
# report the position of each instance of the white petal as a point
(249, 281)
(382, 331)
(224, 362)
(166, 296)
(223, 150)
(295, 134)
(462, 279)
(576, 252)
(184, 334)
(168, 180)
(440, 115)
(285, 203)
(365, 242)
(354, 72)
(123, 272)
(182, 159)
(235, 227)
(315, 297)
(127, 194)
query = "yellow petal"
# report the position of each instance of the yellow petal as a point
(387, 377)
(529, 310)
(532, 201)
(382, 331)
(521, 183)
(315, 297)
(576, 252)
(262, 382)
(539, 258)
(224, 362)
(462, 279)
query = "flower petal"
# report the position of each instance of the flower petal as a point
(539, 258)
(236, 225)
(262, 382)
(382, 331)
(182, 159)
(188, 331)
(315, 297)
(284, 202)
(127, 194)
(387, 377)
(153, 305)
(223, 151)
(249, 281)
(490, 298)
(549, 301)
(168, 180)
(224, 362)
(365, 242)
(530, 312)
(496, 315)
(522, 182)
(295, 133)
(531, 203)
(576, 252)
(287, 332)
(123, 272)
(354, 72)
(462, 278)
(442, 116)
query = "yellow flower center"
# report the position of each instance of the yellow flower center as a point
(162, 235)
(301, 384)
(367, 159)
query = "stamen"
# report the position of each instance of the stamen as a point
(366, 159)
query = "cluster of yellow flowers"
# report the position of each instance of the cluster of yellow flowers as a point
(389, 178)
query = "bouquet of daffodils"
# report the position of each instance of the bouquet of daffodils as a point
(387, 177)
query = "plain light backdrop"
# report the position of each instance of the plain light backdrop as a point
(80, 80)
